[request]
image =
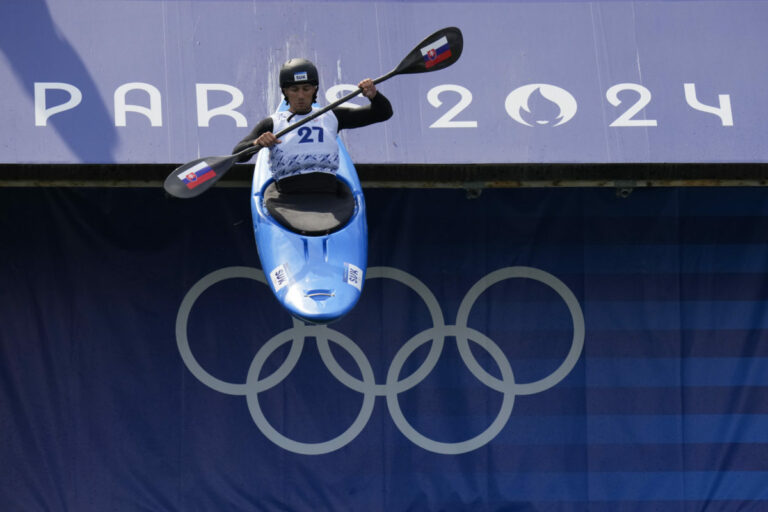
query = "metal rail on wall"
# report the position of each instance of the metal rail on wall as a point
(466, 176)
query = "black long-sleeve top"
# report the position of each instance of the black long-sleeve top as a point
(379, 109)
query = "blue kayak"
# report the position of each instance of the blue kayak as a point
(313, 247)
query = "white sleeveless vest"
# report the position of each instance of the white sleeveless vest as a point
(310, 148)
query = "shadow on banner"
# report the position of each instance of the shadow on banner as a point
(88, 129)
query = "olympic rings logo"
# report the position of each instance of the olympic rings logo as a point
(393, 386)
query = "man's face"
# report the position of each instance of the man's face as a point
(300, 97)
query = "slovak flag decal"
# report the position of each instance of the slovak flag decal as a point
(197, 175)
(436, 52)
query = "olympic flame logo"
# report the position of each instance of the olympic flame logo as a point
(392, 386)
(518, 101)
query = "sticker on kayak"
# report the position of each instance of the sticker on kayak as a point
(280, 277)
(197, 175)
(353, 276)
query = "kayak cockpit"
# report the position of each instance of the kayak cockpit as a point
(311, 213)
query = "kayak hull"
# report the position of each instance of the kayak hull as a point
(317, 279)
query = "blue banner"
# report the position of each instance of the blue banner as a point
(552, 349)
(167, 81)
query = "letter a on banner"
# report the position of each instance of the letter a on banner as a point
(153, 112)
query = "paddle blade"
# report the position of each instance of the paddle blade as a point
(435, 52)
(197, 176)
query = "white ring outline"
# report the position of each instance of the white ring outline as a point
(426, 367)
(577, 317)
(182, 321)
(479, 440)
(299, 447)
(392, 387)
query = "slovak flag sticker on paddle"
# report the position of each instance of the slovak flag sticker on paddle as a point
(197, 175)
(436, 52)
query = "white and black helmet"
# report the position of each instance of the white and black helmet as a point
(298, 71)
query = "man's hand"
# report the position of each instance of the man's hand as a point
(266, 140)
(368, 87)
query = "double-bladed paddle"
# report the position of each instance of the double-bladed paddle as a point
(435, 52)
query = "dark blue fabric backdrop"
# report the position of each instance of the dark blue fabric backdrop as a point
(664, 408)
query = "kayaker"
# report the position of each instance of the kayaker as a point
(306, 159)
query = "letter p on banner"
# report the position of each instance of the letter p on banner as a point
(42, 112)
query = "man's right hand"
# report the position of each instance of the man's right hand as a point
(266, 140)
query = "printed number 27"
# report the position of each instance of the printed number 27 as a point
(305, 133)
